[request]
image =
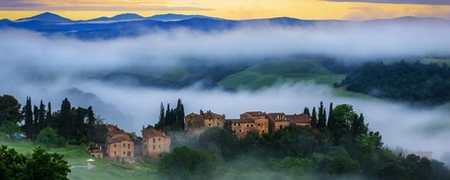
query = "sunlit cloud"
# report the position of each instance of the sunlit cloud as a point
(424, 2)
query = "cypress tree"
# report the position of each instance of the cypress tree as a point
(42, 120)
(65, 123)
(49, 120)
(28, 119)
(330, 117)
(35, 128)
(314, 118)
(161, 123)
(322, 122)
(306, 111)
(180, 115)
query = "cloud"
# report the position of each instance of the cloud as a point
(47, 67)
(424, 2)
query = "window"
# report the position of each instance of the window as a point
(154, 140)
(128, 153)
(154, 147)
(159, 146)
(128, 145)
(259, 124)
(217, 124)
(281, 126)
(114, 145)
(252, 125)
(124, 153)
(263, 131)
(123, 144)
(240, 130)
(209, 124)
(159, 139)
(247, 125)
(115, 152)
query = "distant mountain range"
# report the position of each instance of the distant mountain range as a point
(134, 25)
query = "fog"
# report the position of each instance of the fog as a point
(53, 67)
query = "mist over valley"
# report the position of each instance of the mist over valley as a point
(227, 66)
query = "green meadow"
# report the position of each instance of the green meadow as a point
(77, 157)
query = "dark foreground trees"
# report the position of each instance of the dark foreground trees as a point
(41, 165)
(185, 163)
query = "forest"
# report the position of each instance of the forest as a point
(412, 82)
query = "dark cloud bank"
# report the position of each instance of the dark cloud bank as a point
(51, 68)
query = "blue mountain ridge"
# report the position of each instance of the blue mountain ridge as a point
(132, 25)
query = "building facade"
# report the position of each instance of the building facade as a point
(119, 144)
(154, 142)
(197, 123)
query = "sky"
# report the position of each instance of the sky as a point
(231, 9)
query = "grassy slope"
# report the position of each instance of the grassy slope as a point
(268, 73)
(77, 156)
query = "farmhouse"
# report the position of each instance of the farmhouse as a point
(197, 123)
(154, 142)
(118, 143)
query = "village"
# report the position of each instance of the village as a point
(128, 147)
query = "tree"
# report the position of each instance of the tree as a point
(9, 109)
(322, 114)
(185, 163)
(314, 118)
(162, 119)
(306, 111)
(47, 137)
(42, 119)
(340, 125)
(28, 127)
(9, 128)
(11, 163)
(49, 119)
(65, 122)
(41, 165)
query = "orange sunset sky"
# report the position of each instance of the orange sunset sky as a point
(231, 9)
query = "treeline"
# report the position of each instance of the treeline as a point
(414, 82)
(171, 119)
(68, 125)
(339, 144)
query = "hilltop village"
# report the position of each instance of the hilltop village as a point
(124, 146)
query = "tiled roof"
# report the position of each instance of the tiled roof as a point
(298, 118)
(151, 132)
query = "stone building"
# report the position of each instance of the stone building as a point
(249, 121)
(154, 142)
(119, 144)
(197, 123)
(280, 120)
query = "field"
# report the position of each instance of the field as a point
(77, 156)
(267, 74)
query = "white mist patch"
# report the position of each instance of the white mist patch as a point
(45, 67)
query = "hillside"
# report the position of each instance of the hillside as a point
(266, 74)
(77, 156)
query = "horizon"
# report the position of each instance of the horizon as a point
(234, 10)
(170, 13)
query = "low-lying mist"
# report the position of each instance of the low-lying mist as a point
(51, 68)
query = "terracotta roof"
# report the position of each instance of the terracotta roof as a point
(151, 132)
(298, 118)
(254, 113)
(241, 120)
(211, 115)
